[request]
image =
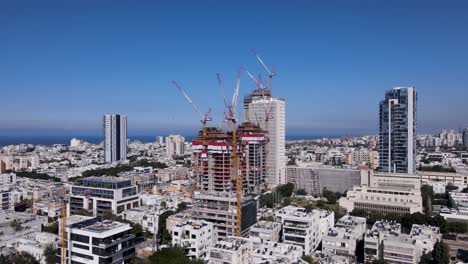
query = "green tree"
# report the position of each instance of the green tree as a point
(427, 194)
(23, 258)
(50, 253)
(172, 255)
(330, 196)
(441, 254)
(266, 200)
(108, 215)
(181, 207)
(301, 192)
(308, 259)
(163, 204)
(426, 259)
(137, 230)
(4, 260)
(52, 228)
(457, 227)
(285, 190)
(163, 234)
(16, 225)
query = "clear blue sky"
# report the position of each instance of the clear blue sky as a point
(63, 64)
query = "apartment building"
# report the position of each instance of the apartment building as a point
(147, 217)
(90, 240)
(342, 239)
(385, 241)
(115, 137)
(221, 210)
(397, 131)
(301, 228)
(274, 252)
(265, 231)
(195, 236)
(175, 145)
(231, 250)
(97, 195)
(7, 179)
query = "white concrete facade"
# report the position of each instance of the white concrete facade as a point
(276, 128)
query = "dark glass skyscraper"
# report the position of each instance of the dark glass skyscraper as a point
(397, 131)
(465, 137)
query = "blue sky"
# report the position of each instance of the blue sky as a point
(63, 64)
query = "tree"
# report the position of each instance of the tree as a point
(285, 190)
(137, 230)
(441, 254)
(50, 253)
(181, 207)
(330, 196)
(266, 200)
(173, 255)
(163, 234)
(457, 227)
(163, 204)
(23, 258)
(427, 194)
(301, 192)
(52, 228)
(308, 259)
(16, 225)
(4, 260)
(426, 259)
(108, 215)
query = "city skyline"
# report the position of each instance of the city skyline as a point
(333, 63)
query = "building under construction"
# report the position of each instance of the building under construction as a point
(213, 163)
(220, 208)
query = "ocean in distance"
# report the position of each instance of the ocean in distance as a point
(6, 140)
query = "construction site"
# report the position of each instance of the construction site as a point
(231, 165)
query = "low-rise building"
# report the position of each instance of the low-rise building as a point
(270, 252)
(300, 227)
(93, 241)
(231, 250)
(343, 238)
(145, 216)
(100, 194)
(385, 241)
(196, 237)
(266, 231)
(382, 200)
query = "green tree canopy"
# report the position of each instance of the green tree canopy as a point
(50, 253)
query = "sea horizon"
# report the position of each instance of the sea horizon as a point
(6, 140)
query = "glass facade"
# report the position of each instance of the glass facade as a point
(397, 131)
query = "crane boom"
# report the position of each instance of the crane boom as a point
(235, 96)
(189, 100)
(220, 83)
(264, 66)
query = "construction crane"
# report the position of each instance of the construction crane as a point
(231, 119)
(271, 74)
(204, 117)
(63, 235)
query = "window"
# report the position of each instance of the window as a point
(80, 246)
(80, 238)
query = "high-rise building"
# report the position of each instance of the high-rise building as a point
(115, 138)
(397, 131)
(212, 159)
(175, 145)
(269, 114)
(465, 137)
